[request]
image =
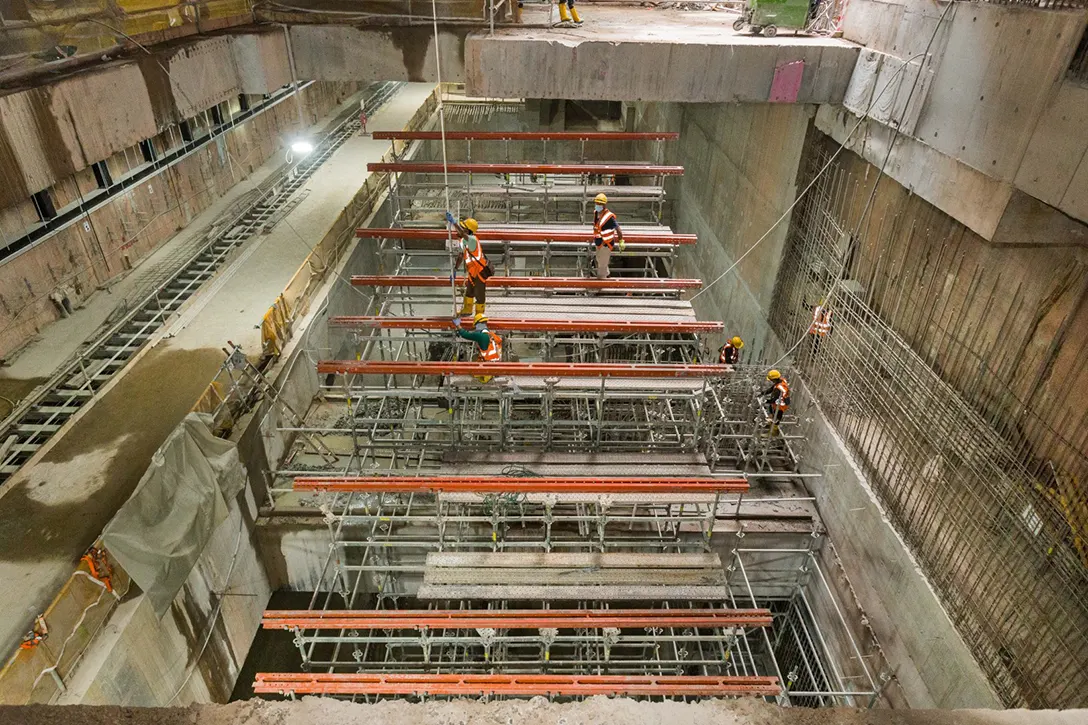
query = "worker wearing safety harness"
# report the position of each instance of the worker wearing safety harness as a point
(567, 14)
(477, 268)
(777, 397)
(729, 353)
(488, 344)
(606, 232)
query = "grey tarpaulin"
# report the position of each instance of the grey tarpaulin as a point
(159, 533)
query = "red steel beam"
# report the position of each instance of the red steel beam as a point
(475, 685)
(514, 618)
(621, 327)
(428, 167)
(526, 136)
(502, 484)
(617, 283)
(633, 237)
(547, 370)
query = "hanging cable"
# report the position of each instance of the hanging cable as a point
(445, 164)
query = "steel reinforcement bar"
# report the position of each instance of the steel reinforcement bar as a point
(606, 326)
(585, 235)
(429, 619)
(504, 484)
(546, 370)
(428, 167)
(526, 136)
(623, 284)
(475, 685)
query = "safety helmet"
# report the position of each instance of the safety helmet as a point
(737, 342)
(774, 375)
(600, 199)
(470, 225)
(481, 323)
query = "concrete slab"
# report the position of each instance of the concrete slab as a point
(52, 511)
(634, 53)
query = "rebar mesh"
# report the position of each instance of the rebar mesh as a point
(1007, 564)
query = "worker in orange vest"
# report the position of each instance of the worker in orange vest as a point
(606, 233)
(777, 398)
(729, 353)
(477, 268)
(821, 324)
(488, 344)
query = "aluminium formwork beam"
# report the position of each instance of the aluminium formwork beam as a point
(427, 167)
(625, 284)
(543, 370)
(604, 326)
(506, 484)
(633, 237)
(433, 619)
(476, 685)
(526, 135)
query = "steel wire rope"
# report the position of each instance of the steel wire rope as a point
(445, 164)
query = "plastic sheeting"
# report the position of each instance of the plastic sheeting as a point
(160, 532)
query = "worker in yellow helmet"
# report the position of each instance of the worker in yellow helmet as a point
(729, 353)
(477, 268)
(606, 233)
(568, 16)
(776, 397)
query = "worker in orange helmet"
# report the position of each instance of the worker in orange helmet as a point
(606, 233)
(477, 268)
(488, 344)
(729, 353)
(777, 398)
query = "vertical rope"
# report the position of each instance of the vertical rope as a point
(445, 165)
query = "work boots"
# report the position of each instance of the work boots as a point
(480, 316)
(564, 16)
(574, 15)
(466, 306)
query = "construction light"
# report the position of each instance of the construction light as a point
(302, 147)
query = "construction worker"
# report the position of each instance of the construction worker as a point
(777, 397)
(477, 268)
(568, 16)
(729, 353)
(606, 232)
(821, 324)
(488, 344)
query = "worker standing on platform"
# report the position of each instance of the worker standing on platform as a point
(567, 14)
(488, 344)
(777, 398)
(477, 268)
(606, 232)
(729, 353)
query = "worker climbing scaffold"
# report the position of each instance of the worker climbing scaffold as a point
(776, 398)
(477, 268)
(488, 344)
(729, 353)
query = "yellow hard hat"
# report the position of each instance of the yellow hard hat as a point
(480, 319)
(600, 199)
(470, 224)
(774, 375)
(737, 342)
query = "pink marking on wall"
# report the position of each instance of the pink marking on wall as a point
(787, 82)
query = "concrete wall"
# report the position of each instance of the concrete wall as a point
(740, 168)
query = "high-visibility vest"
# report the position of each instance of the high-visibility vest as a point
(783, 401)
(728, 354)
(494, 350)
(475, 261)
(821, 321)
(607, 236)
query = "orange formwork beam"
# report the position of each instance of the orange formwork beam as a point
(475, 685)
(526, 135)
(631, 238)
(603, 325)
(421, 619)
(503, 484)
(616, 283)
(546, 370)
(430, 167)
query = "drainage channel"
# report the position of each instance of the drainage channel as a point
(42, 414)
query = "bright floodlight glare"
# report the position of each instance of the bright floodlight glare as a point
(302, 147)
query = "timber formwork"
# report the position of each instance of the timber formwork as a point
(574, 525)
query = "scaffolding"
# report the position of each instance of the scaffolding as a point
(575, 525)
